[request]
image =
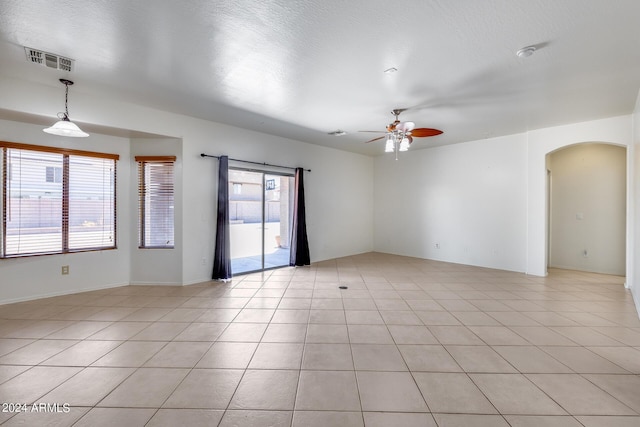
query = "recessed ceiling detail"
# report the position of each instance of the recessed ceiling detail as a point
(47, 59)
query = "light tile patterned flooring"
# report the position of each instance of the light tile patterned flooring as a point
(410, 343)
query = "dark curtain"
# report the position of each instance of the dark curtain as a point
(222, 255)
(299, 243)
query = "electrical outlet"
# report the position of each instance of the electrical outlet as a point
(65, 269)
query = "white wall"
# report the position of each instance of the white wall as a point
(338, 193)
(469, 199)
(588, 208)
(615, 130)
(484, 202)
(34, 277)
(156, 266)
(339, 190)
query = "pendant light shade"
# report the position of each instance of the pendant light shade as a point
(65, 127)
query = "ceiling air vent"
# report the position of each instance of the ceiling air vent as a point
(47, 59)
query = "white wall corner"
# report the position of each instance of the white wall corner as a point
(633, 257)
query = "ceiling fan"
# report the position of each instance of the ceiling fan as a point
(399, 135)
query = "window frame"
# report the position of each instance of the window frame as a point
(142, 223)
(66, 153)
(56, 174)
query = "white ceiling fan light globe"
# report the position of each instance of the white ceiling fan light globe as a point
(390, 145)
(404, 145)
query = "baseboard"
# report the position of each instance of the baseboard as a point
(574, 268)
(635, 293)
(61, 293)
(199, 281)
(155, 284)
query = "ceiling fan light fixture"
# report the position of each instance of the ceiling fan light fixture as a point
(399, 135)
(64, 126)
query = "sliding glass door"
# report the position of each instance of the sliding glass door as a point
(260, 213)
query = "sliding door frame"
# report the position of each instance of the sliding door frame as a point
(264, 173)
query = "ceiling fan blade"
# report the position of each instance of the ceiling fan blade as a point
(374, 139)
(424, 132)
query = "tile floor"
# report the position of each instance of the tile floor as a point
(410, 343)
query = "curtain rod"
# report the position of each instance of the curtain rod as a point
(255, 163)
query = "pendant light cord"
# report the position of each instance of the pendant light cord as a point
(66, 83)
(66, 100)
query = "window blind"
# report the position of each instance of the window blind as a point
(92, 203)
(156, 201)
(56, 200)
(32, 205)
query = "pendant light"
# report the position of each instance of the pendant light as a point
(65, 127)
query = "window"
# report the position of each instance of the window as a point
(53, 174)
(72, 209)
(155, 206)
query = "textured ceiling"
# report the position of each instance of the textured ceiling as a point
(301, 69)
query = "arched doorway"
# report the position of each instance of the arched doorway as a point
(587, 208)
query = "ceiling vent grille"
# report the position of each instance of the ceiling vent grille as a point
(47, 59)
